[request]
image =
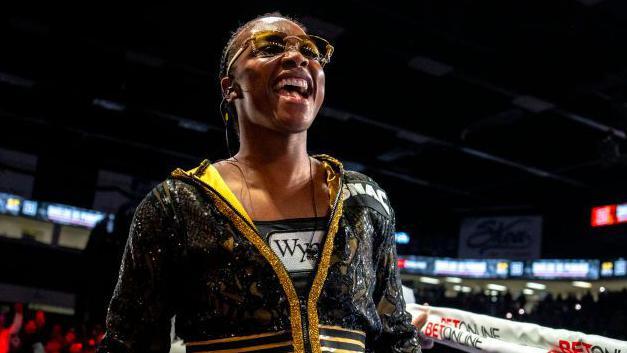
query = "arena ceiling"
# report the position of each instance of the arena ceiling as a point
(461, 106)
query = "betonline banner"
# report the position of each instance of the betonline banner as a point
(481, 333)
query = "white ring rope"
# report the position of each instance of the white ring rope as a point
(477, 333)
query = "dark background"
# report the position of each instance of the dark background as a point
(456, 108)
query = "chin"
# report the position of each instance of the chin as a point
(296, 128)
(294, 123)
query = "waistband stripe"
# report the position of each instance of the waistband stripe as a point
(246, 343)
(283, 334)
(341, 345)
(354, 335)
(268, 348)
(339, 328)
(344, 340)
(334, 350)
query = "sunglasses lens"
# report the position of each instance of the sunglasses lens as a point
(324, 49)
(269, 44)
(309, 49)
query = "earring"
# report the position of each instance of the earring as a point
(225, 118)
(224, 113)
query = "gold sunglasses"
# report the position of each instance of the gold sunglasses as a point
(272, 43)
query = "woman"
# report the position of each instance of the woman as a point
(271, 250)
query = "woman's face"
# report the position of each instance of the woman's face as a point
(260, 95)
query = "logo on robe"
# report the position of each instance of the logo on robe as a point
(366, 194)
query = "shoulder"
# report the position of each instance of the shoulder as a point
(166, 192)
(361, 190)
(166, 199)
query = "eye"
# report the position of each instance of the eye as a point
(310, 51)
(269, 48)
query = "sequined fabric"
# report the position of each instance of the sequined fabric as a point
(192, 256)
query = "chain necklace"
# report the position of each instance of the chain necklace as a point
(312, 253)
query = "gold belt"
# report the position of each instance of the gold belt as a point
(332, 339)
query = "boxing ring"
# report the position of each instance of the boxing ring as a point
(477, 333)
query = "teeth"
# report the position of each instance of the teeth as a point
(300, 83)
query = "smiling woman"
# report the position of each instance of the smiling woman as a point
(273, 65)
(270, 249)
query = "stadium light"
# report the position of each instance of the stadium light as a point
(453, 279)
(429, 280)
(538, 286)
(581, 284)
(497, 287)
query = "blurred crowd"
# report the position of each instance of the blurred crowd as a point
(26, 331)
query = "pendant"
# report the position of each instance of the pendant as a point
(312, 254)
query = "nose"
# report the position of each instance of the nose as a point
(293, 58)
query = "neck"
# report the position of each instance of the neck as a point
(275, 157)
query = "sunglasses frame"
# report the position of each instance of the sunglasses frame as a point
(323, 59)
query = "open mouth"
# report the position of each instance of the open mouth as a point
(293, 87)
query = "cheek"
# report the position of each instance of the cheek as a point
(320, 88)
(254, 77)
(251, 80)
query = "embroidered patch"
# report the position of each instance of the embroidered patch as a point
(291, 247)
(366, 194)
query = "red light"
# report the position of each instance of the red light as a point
(401, 263)
(604, 216)
(76, 348)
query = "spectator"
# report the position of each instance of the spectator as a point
(6, 333)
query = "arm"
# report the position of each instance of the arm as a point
(17, 319)
(398, 334)
(138, 319)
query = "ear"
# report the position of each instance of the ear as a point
(229, 91)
